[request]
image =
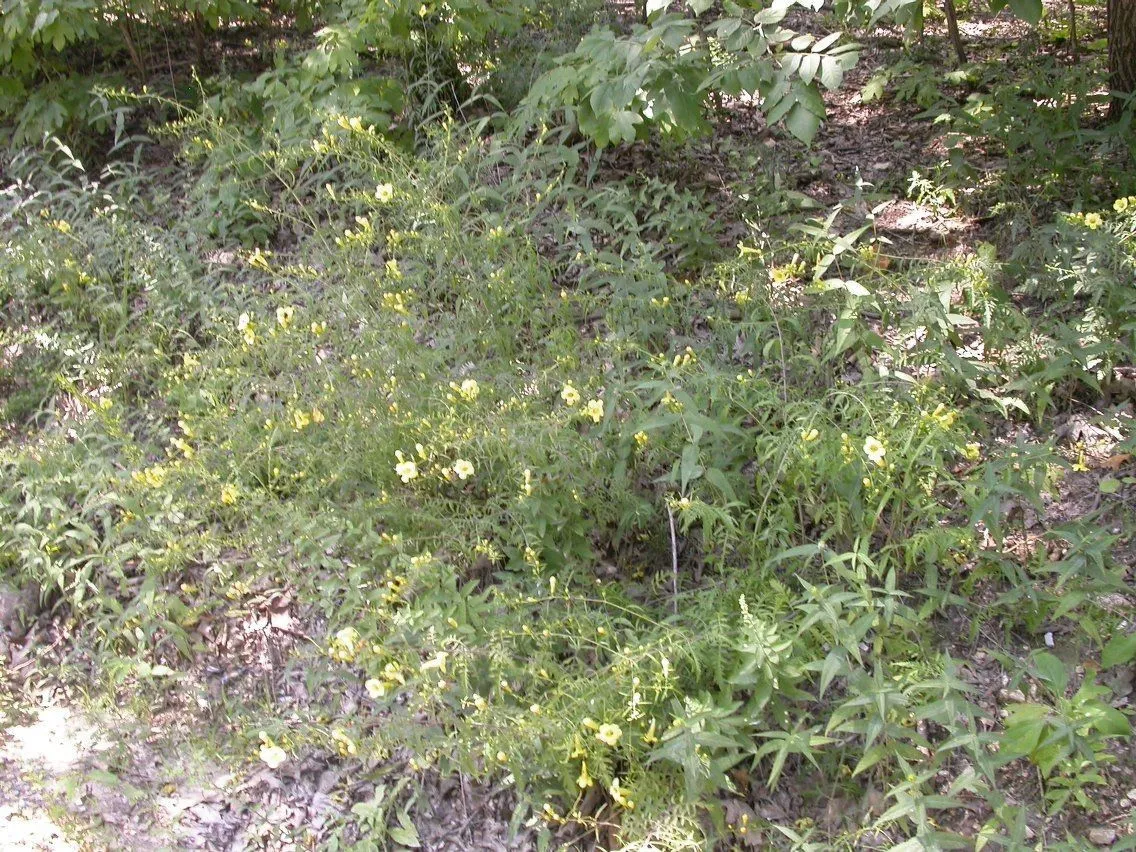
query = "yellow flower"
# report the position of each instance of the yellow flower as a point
(570, 395)
(470, 389)
(375, 688)
(247, 328)
(1120, 205)
(875, 451)
(272, 755)
(609, 734)
(595, 410)
(344, 645)
(384, 192)
(585, 780)
(406, 469)
(640, 439)
(943, 416)
(463, 469)
(343, 743)
(153, 477)
(972, 452)
(259, 259)
(317, 416)
(230, 494)
(807, 437)
(619, 794)
(502, 757)
(300, 419)
(649, 738)
(1093, 221)
(319, 328)
(284, 316)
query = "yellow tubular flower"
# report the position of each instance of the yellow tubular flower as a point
(585, 780)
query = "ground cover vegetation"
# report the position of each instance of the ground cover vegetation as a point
(526, 425)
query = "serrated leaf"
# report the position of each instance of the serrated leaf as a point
(622, 125)
(874, 89)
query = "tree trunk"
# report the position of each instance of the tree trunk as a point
(1121, 51)
(953, 30)
(1073, 32)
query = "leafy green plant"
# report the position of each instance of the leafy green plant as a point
(1065, 740)
(616, 88)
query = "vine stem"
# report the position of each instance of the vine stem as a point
(674, 559)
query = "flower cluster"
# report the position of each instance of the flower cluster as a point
(344, 646)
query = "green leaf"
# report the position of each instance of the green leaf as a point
(1052, 671)
(834, 664)
(1109, 485)
(405, 834)
(1118, 651)
(831, 72)
(827, 42)
(654, 6)
(809, 67)
(874, 89)
(1113, 723)
(1022, 733)
(622, 127)
(1028, 10)
(688, 469)
(718, 479)
(802, 123)
(685, 107)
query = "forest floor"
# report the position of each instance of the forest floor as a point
(80, 771)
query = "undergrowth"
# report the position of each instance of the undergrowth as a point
(570, 497)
